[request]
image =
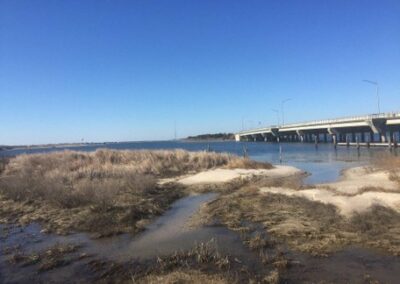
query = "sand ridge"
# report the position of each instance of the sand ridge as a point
(349, 194)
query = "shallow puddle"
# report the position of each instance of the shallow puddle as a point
(351, 265)
(166, 235)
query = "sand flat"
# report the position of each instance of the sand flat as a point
(225, 175)
(354, 179)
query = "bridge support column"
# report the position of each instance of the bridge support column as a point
(300, 136)
(334, 139)
(390, 138)
(264, 136)
(353, 137)
(363, 137)
(382, 136)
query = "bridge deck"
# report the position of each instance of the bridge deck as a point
(385, 126)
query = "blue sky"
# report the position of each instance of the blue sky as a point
(126, 70)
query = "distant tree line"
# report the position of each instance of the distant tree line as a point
(215, 136)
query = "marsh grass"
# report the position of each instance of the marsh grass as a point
(105, 190)
(71, 179)
(183, 276)
(201, 264)
(303, 225)
(50, 258)
(3, 163)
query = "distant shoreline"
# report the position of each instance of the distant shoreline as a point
(212, 137)
(44, 146)
(206, 140)
(199, 138)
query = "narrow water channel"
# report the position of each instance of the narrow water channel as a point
(166, 235)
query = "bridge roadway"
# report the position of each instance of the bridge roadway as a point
(369, 130)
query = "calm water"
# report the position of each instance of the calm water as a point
(324, 163)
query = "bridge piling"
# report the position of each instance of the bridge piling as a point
(370, 130)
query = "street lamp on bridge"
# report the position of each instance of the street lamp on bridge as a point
(377, 92)
(277, 115)
(283, 114)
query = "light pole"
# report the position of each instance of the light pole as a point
(277, 114)
(377, 92)
(283, 114)
(246, 122)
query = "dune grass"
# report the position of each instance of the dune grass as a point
(106, 189)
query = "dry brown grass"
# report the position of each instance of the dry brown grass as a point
(50, 258)
(3, 162)
(201, 264)
(245, 163)
(111, 191)
(183, 276)
(302, 224)
(72, 179)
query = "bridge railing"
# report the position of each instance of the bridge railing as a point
(342, 119)
(250, 131)
(325, 121)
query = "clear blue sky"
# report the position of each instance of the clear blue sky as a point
(126, 70)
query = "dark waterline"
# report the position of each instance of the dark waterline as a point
(323, 163)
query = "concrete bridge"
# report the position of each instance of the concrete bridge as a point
(369, 130)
